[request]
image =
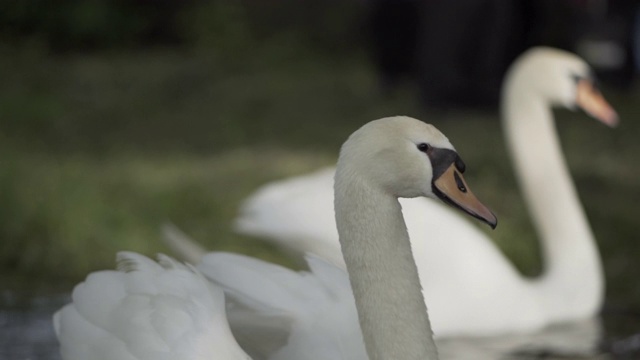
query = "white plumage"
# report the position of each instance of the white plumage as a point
(469, 286)
(281, 314)
(166, 310)
(146, 310)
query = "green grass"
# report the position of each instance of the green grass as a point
(65, 217)
(99, 150)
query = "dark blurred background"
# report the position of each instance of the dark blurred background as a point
(118, 115)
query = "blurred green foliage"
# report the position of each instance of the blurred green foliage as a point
(227, 27)
(93, 24)
(100, 149)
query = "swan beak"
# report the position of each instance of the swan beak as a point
(589, 99)
(452, 189)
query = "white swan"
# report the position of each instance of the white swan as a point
(167, 311)
(470, 287)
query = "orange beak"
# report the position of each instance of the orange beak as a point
(589, 99)
(454, 190)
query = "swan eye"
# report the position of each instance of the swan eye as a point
(576, 78)
(590, 77)
(424, 147)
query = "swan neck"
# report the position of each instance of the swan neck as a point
(568, 245)
(383, 274)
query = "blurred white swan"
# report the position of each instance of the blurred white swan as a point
(167, 311)
(469, 286)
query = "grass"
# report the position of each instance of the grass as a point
(69, 216)
(99, 150)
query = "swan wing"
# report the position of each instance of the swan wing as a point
(146, 310)
(313, 312)
(295, 213)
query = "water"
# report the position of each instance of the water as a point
(26, 330)
(26, 333)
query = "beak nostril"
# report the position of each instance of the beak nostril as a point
(459, 182)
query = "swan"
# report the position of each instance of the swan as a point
(166, 310)
(469, 286)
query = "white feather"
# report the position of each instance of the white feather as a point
(315, 310)
(146, 310)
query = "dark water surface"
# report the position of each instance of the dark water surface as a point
(26, 329)
(26, 333)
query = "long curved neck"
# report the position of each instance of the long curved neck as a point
(383, 274)
(572, 283)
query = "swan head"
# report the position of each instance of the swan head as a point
(561, 79)
(405, 157)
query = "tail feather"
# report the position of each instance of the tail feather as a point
(262, 311)
(285, 312)
(277, 313)
(255, 282)
(181, 244)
